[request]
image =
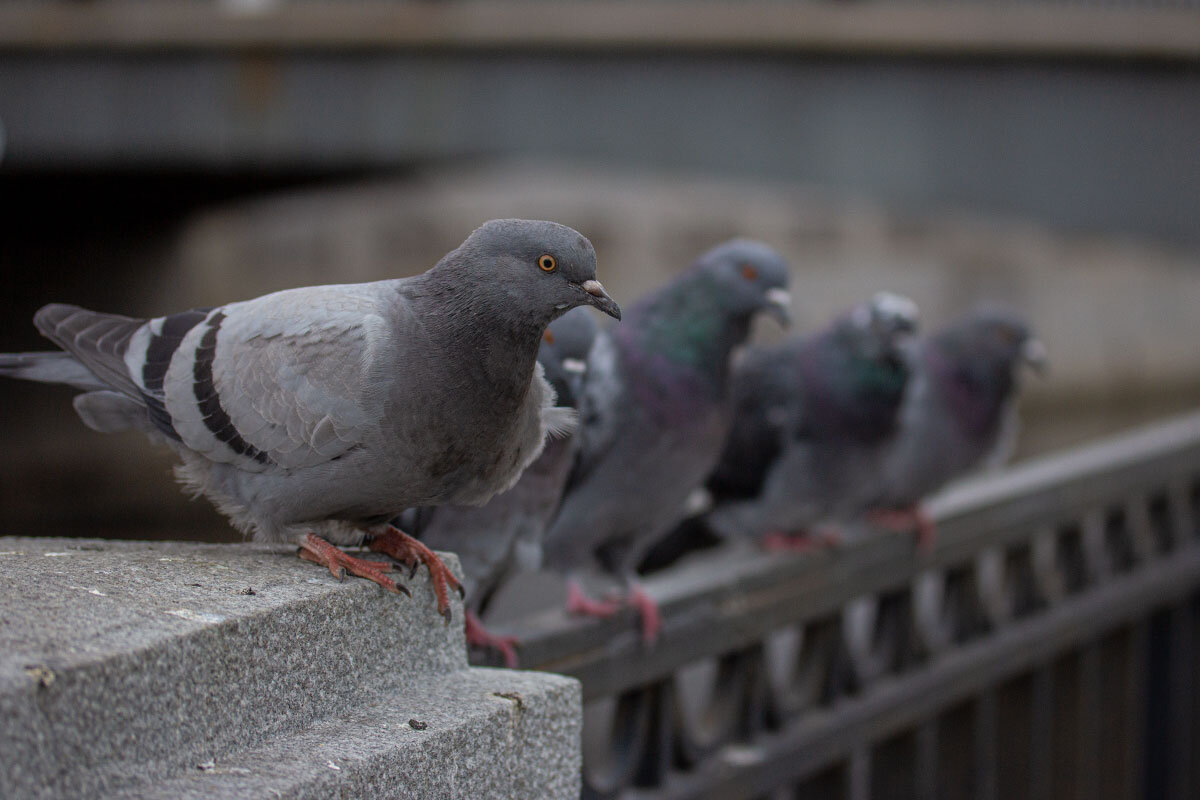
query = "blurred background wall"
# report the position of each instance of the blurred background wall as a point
(164, 155)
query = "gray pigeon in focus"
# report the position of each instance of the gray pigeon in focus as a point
(654, 414)
(814, 417)
(496, 541)
(316, 414)
(960, 411)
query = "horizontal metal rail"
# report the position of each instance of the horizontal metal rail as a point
(893, 704)
(771, 669)
(944, 29)
(725, 601)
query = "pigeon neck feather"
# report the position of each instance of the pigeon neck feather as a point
(686, 324)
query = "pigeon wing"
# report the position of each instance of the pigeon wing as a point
(289, 380)
(599, 403)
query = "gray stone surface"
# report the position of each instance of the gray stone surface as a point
(126, 664)
(488, 733)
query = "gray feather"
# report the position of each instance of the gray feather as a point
(497, 541)
(50, 368)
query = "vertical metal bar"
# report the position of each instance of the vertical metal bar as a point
(1136, 676)
(1183, 521)
(1041, 733)
(1090, 722)
(860, 774)
(1179, 712)
(655, 761)
(1194, 762)
(956, 751)
(1064, 750)
(1114, 713)
(985, 746)
(1014, 725)
(927, 760)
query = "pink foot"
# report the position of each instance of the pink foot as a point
(315, 549)
(647, 609)
(479, 636)
(580, 604)
(404, 548)
(914, 518)
(800, 542)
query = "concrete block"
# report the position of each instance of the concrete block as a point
(123, 664)
(478, 733)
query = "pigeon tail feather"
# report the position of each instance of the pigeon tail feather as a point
(50, 367)
(97, 340)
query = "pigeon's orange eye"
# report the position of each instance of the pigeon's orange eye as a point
(548, 336)
(547, 262)
(749, 272)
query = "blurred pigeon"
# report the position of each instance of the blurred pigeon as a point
(814, 418)
(654, 414)
(504, 537)
(316, 414)
(960, 412)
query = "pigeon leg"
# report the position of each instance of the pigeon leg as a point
(407, 550)
(315, 549)
(580, 604)
(800, 541)
(479, 636)
(926, 530)
(907, 519)
(647, 608)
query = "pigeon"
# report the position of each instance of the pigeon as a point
(960, 411)
(496, 541)
(315, 415)
(814, 419)
(654, 414)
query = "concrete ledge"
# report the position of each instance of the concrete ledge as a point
(123, 665)
(478, 733)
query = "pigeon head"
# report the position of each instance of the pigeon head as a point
(880, 329)
(854, 374)
(538, 269)
(564, 353)
(987, 346)
(996, 336)
(747, 277)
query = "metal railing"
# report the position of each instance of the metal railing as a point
(1044, 647)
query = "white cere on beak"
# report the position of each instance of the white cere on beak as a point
(779, 297)
(594, 288)
(698, 502)
(1033, 352)
(576, 366)
(895, 305)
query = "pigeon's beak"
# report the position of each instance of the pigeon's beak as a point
(1033, 353)
(596, 296)
(778, 306)
(894, 317)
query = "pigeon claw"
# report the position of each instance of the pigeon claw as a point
(479, 636)
(647, 608)
(315, 549)
(407, 550)
(799, 541)
(914, 518)
(580, 604)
